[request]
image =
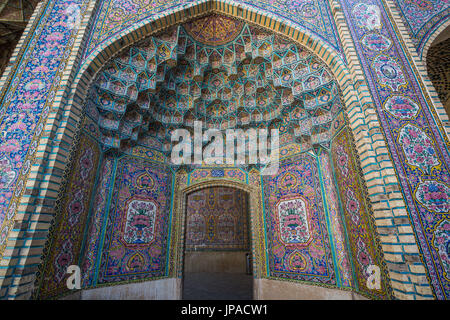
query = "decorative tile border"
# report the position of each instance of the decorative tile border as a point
(39, 82)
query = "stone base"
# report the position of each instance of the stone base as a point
(215, 261)
(170, 289)
(266, 289)
(163, 289)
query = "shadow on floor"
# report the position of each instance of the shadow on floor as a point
(217, 286)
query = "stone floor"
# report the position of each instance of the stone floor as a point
(217, 286)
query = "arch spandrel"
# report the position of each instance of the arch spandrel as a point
(112, 19)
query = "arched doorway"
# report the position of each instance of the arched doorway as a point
(234, 258)
(217, 250)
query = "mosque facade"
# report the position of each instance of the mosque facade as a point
(356, 91)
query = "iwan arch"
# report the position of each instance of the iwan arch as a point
(363, 152)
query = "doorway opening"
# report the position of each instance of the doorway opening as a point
(438, 66)
(217, 249)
